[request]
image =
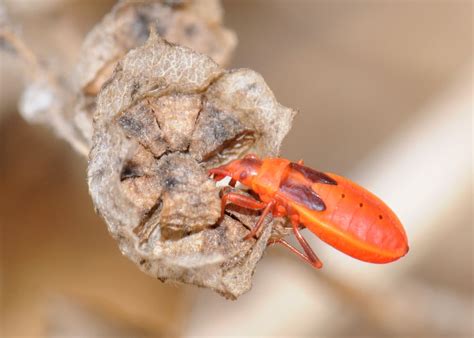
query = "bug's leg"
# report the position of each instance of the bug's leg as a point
(259, 224)
(314, 260)
(248, 202)
(308, 256)
(295, 251)
(243, 201)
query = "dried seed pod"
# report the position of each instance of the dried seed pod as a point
(195, 24)
(166, 115)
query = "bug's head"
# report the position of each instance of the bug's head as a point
(239, 170)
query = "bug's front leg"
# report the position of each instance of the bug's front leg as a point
(256, 228)
(247, 202)
(243, 201)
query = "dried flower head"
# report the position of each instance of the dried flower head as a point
(166, 116)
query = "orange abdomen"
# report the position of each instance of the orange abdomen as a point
(356, 222)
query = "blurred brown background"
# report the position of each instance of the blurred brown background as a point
(384, 93)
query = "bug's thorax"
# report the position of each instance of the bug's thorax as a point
(272, 172)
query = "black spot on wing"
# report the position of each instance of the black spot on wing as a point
(313, 175)
(302, 195)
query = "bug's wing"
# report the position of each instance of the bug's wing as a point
(295, 192)
(297, 186)
(312, 175)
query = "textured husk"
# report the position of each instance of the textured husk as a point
(167, 115)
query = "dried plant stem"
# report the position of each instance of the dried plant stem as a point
(22, 50)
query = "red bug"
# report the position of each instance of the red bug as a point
(338, 211)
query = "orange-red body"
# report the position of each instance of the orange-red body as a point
(341, 213)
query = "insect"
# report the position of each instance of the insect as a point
(338, 211)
